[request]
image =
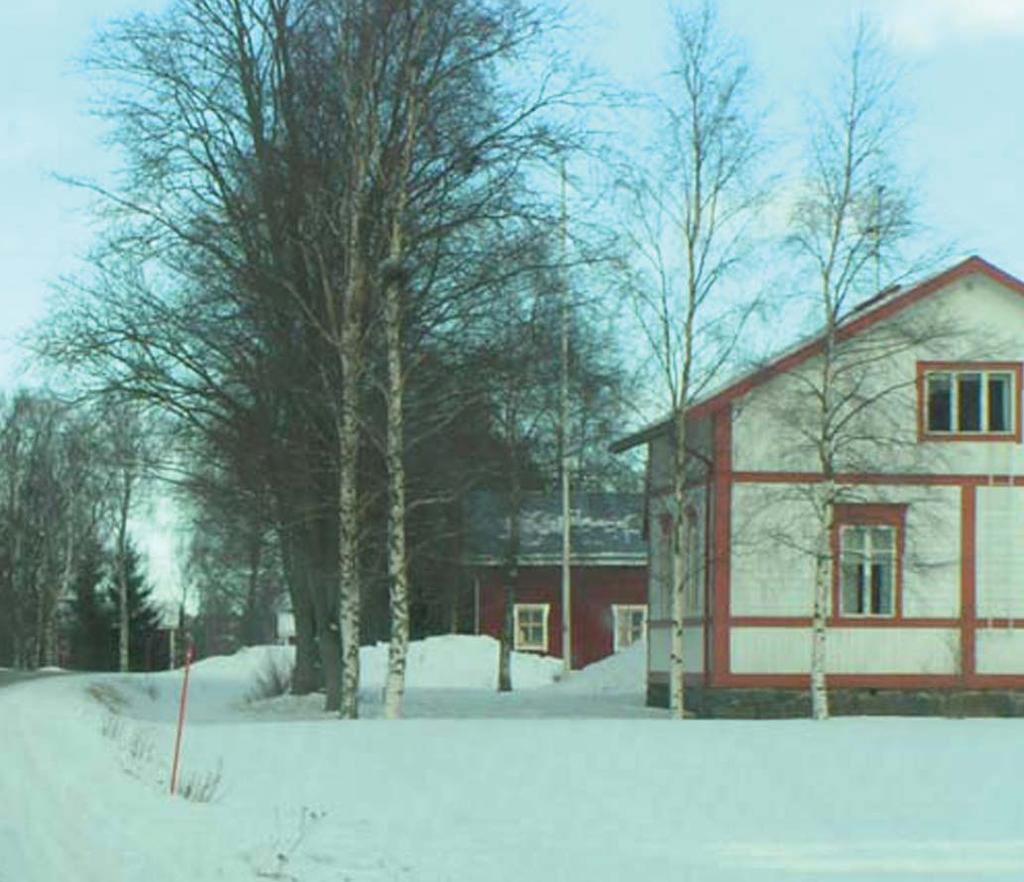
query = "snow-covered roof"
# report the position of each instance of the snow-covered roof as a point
(607, 529)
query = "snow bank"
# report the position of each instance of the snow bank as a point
(219, 685)
(451, 661)
(457, 661)
(623, 673)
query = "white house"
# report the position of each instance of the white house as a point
(927, 541)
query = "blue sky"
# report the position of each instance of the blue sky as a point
(964, 63)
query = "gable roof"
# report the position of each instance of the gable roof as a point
(607, 529)
(877, 308)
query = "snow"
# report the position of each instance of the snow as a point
(572, 780)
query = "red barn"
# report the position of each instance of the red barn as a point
(608, 595)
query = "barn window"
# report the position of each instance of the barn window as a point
(869, 543)
(531, 627)
(630, 624)
(969, 401)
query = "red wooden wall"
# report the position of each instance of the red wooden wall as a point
(594, 590)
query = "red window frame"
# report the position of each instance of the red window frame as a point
(868, 515)
(926, 367)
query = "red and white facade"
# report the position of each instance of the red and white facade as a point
(928, 540)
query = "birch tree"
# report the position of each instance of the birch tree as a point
(690, 232)
(850, 226)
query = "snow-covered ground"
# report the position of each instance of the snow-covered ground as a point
(572, 780)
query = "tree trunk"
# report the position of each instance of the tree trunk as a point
(819, 692)
(397, 563)
(348, 522)
(507, 637)
(822, 584)
(123, 630)
(677, 666)
(507, 634)
(305, 678)
(329, 641)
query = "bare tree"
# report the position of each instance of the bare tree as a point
(276, 177)
(690, 232)
(849, 228)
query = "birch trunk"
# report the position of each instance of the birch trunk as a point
(397, 563)
(123, 656)
(677, 667)
(825, 509)
(348, 523)
(819, 691)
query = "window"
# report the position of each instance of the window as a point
(630, 624)
(869, 548)
(694, 564)
(868, 570)
(970, 401)
(531, 627)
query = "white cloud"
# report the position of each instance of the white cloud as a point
(924, 25)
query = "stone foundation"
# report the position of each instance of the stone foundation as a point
(753, 704)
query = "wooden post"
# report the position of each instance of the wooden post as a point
(189, 653)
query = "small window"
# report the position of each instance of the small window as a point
(970, 402)
(868, 571)
(531, 627)
(630, 624)
(694, 564)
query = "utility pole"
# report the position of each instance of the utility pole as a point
(563, 445)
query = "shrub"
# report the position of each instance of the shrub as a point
(202, 786)
(274, 678)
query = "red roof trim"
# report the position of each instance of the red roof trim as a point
(971, 266)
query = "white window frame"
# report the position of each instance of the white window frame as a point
(869, 555)
(620, 609)
(694, 565)
(522, 646)
(954, 375)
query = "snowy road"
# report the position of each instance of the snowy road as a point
(8, 676)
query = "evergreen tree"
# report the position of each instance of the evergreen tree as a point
(92, 617)
(147, 651)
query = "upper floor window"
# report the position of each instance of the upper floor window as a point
(969, 401)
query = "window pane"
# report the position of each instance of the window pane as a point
(968, 400)
(999, 386)
(853, 540)
(882, 539)
(881, 587)
(939, 402)
(852, 594)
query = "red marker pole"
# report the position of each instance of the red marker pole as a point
(181, 719)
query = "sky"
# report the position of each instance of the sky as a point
(962, 63)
